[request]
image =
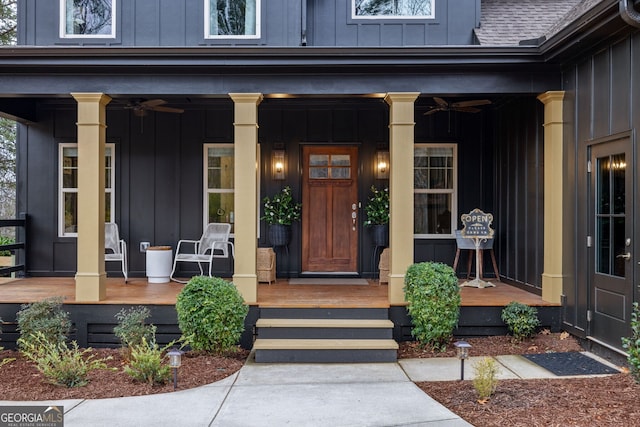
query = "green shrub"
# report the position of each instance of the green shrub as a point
(521, 320)
(485, 381)
(632, 344)
(5, 360)
(61, 365)
(146, 363)
(5, 240)
(131, 329)
(211, 314)
(432, 291)
(46, 317)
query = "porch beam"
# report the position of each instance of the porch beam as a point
(245, 142)
(401, 142)
(555, 267)
(90, 275)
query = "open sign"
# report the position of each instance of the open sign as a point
(477, 224)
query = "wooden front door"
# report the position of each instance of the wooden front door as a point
(610, 241)
(330, 209)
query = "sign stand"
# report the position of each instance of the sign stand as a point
(477, 226)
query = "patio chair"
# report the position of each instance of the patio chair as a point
(468, 244)
(214, 243)
(115, 248)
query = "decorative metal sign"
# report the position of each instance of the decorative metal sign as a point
(477, 226)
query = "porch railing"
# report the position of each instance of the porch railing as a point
(18, 248)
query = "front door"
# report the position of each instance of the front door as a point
(611, 242)
(330, 209)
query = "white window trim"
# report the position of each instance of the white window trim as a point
(63, 24)
(62, 191)
(205, 182)
(394, 17)
(453, 192)
(207, 19)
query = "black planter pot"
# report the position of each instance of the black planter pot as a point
(380, 235)
(279, 234)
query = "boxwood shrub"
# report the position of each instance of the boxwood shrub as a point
(432, 291)
(521, 320)
(211, 314)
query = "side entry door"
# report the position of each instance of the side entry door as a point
(611, 240)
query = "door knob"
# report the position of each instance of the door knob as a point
(626, 256)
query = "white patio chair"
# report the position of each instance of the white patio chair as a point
(115, 247)
(214, 243)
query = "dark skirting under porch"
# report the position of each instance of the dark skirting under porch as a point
(93, 322)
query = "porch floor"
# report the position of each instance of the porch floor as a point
(278, 294)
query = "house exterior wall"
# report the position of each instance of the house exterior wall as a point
(602, 99)
(519, 185)
(326, 23)
(159, 166)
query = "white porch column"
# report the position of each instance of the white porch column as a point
(90, 275)
(553, 276)
(401, 141)
(245, 177)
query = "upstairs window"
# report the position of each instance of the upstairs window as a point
(232, 19)
(403, 9)
(87, 18)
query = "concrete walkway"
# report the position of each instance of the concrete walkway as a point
(382, 394)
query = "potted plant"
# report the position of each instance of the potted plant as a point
(280, 211)
(377, 210)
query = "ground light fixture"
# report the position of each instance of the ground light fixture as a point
(462, 348)
(175, 360)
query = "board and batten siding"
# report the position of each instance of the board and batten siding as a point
(602, 99)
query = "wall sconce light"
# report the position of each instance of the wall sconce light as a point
(175, 360)
(462, 348)
(382, 165)
(278, 164)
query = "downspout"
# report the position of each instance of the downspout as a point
(303, 23)
(630, 12)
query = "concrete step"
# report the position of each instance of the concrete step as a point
(325, 350)
(323, 313)
(324, 328)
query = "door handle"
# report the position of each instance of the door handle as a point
(626, 256)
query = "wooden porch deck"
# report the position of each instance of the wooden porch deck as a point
(278, 294)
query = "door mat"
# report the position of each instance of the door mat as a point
(327, 281)
(571, 363)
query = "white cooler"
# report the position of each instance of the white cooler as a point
(159, 263)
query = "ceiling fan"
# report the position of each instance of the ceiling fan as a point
(141, 106)
(462, 106)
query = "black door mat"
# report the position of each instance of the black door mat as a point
(571, 363)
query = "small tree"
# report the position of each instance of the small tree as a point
(432, 291)
(211, 314)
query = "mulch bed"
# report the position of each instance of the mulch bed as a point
(22, 381)
(601, 401)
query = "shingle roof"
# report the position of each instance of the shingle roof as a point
(507, 22)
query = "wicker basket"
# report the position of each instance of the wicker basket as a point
(383, 266)
(266, 263)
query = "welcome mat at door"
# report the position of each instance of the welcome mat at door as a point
(327, 281)
(570, 363)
